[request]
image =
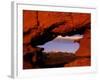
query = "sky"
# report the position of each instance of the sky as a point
(62, 44)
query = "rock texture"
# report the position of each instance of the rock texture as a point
(84, 52)
(40, 27)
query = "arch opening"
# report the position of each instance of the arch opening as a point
(67, 44)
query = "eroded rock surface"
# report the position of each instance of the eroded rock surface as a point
(41, 27)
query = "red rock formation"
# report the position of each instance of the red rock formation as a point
(46, 19)
(79, 62)
(84, 51)
(85, 45)
(41, 27)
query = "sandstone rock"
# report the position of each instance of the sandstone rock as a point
(59, 58)
(27, 65)
(41, 27)
(29, 20)
(79, 62)
(42, 20)
(28, 49)
(85, 45)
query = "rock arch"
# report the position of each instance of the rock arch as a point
(43, 26)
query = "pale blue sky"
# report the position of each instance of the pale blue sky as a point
(61, 45)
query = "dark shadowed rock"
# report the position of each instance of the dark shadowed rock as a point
(59, 58)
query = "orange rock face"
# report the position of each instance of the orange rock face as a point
(45, 26)
(29, 20)
(85, 45)
(79, 62)
(46, 19)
